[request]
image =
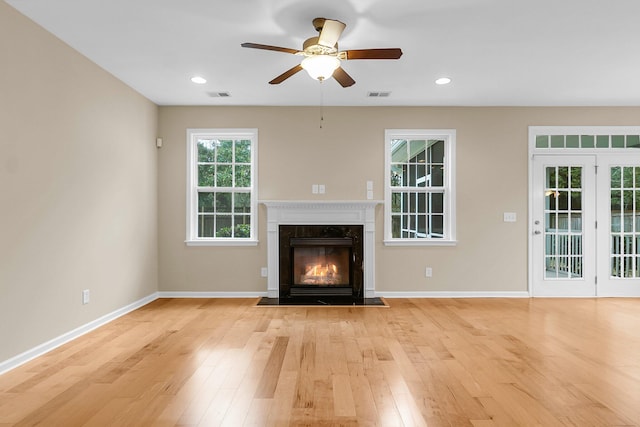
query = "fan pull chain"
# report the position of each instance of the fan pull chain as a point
(321, 103)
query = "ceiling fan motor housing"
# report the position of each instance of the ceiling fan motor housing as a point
(311, 47)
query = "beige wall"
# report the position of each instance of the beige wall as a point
(295, 153)
(78, 188)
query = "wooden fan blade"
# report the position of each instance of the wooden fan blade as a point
(268, 47)
(343, 78)
(392, 53)
(284, 76)
(331, 31)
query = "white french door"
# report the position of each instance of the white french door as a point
(618, 251)
(585, 230)
(563, 229)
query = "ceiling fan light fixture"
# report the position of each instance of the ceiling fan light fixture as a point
(320, 67)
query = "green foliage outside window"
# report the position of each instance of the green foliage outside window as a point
(224, 180)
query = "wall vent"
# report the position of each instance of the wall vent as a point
(378, 94)
(219, 94)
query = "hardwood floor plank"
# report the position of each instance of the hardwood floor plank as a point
(435, 362)
(271, 375)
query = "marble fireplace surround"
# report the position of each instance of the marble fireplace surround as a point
(339, 212)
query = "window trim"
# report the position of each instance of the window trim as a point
(192, 238)
(449, 136)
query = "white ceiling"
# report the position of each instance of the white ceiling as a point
(497, 52)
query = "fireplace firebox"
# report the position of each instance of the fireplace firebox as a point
(318, 261)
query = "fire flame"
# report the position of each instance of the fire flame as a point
(320, 270)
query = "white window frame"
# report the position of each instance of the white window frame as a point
(192, 186)
(449, 137)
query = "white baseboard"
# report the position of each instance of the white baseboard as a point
(46, 347)
(461, 294)
(171, 294)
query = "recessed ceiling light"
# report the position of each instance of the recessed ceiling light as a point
(198, 80)
(443, 81)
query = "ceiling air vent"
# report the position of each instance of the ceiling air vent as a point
(378, 94)
(219, 94)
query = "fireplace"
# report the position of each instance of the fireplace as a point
(323, 214)
(321, 261)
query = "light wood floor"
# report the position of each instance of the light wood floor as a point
(436, 362)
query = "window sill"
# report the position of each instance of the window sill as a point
(230, 242)
(419, 242)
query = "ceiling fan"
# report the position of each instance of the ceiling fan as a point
(322, 57)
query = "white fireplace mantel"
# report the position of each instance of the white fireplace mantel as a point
(325, 212)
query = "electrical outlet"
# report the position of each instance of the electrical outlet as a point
(264, 272)
(85, 296)
(314, 188)
(428, 272)
(321, 189)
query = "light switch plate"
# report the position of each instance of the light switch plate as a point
(509, 217)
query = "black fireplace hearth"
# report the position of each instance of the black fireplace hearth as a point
(321, 263)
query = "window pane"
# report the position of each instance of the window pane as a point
(437, 203)
(542, 141)
(397, 171)
(627, 177)
(422, 225)
(557, 141)
(437, 226)
(417, 149)
(206, 202)
(225, 176)
(551, 177)
(206, 225)
(413, 172)
(225, 151)
(242, 226)
(223, 202)
(206, 175)
(633, 141)
(587, 141)
(242, 203)
(243, 176)
(563, 177)
(223, 226)
(206, 150)
(602, 141)
(243, 151)
(399, 151)
(436, 151)
(573, 141)
(576, 177)
(437, 176)
(576, 200)
(616, 175)
(396, 202)
(617, 141)
(395, 226)
(421, 175)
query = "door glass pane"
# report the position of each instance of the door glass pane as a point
(563, 222)
(624, 234)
